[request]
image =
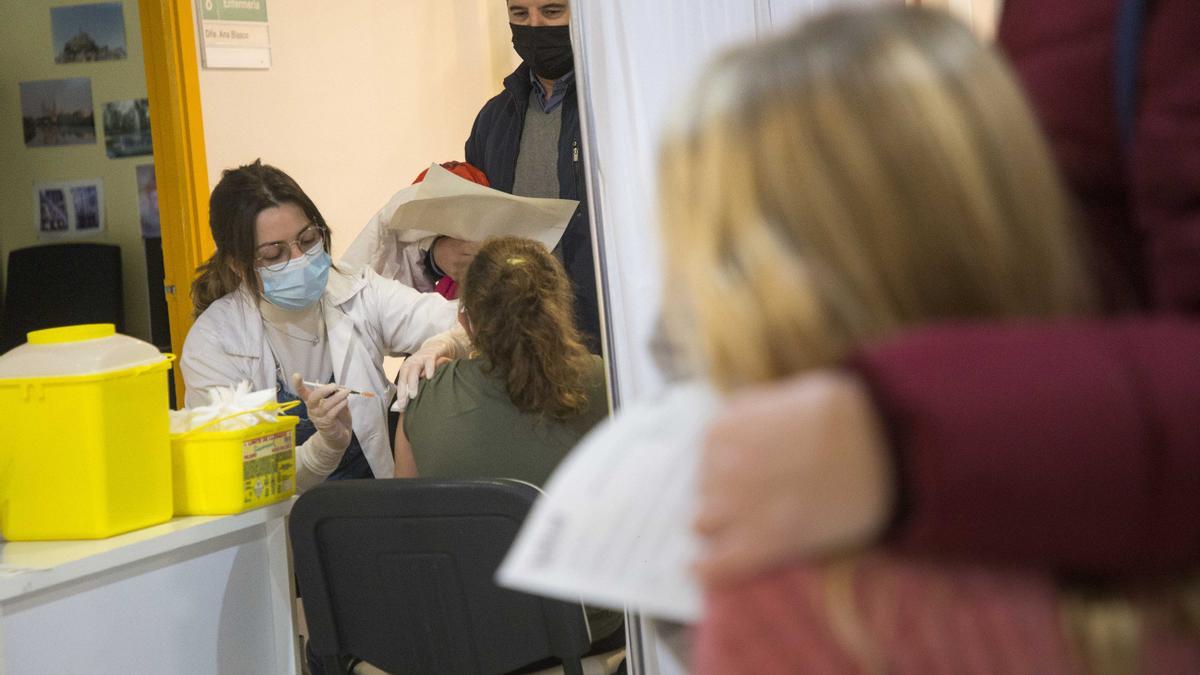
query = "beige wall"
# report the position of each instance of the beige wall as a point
(360, 97)
(26, 53)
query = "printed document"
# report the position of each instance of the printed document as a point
(447, 204)
(614, 527)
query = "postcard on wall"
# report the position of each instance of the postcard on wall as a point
(127, 128)
(57, 112)
(234, 34)
(69, 208)
(94, 32)
(148, 201)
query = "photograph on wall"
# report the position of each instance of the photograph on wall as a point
(148, 201)
(69, 208)
(82, 33)
(58, 112)
(127, 128)
(52, 211)
(86, 200)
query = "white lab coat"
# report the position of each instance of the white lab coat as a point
(367, 317)
(394, 254)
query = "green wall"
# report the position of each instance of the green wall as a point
(27, 53)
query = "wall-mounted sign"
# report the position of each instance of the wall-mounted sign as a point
(234, 34)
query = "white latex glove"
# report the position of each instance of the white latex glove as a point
(452, 344)
(328, 408)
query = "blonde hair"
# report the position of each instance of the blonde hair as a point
(871, 170)
(868, 171)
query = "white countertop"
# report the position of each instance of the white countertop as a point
(26, 567)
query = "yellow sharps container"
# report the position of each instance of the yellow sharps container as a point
(85, 451)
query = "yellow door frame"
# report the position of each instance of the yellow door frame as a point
(180, 164)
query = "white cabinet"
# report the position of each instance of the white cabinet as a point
(194, 595)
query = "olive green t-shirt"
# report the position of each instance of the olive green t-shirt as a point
(462, 424)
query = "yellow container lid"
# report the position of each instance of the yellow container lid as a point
(87, 349)
(85, 331)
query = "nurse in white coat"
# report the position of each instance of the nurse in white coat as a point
(273, 311)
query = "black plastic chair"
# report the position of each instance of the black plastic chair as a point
(61, 285)
(399, 573)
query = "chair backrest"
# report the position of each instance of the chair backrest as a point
(61, 285)
(400, 573)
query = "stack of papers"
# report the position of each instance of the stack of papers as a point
(614, 527)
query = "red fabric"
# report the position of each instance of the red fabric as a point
(1074, 447)
(922, 620)
(447, 287)
(916, 618)
(1164, 162)
(1142, 207)
(460, 169)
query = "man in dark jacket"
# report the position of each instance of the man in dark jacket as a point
(527, 141)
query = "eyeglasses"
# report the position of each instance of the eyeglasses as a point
(275, 255)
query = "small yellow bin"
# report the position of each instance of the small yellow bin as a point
(224, 472)
(85, 451)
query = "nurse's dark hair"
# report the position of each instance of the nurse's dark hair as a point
(519, 302)
(233, 209)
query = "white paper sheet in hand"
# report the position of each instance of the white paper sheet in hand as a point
(446, 204)
(614, 527)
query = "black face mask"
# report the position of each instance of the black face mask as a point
(545, 49)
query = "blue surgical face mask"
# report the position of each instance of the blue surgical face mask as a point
(301, 283)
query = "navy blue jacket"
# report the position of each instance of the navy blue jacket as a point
(493, 147)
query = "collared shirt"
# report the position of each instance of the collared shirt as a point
(555, 99)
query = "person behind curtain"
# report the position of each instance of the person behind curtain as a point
(272, 310)
(527, 140)
(525, 396)
(880, 171)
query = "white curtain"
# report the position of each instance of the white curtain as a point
(635, 59)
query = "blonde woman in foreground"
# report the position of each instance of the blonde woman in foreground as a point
(881, 170)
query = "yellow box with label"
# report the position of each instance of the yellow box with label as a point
(224, 472)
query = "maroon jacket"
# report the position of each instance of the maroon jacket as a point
(1074, 447)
